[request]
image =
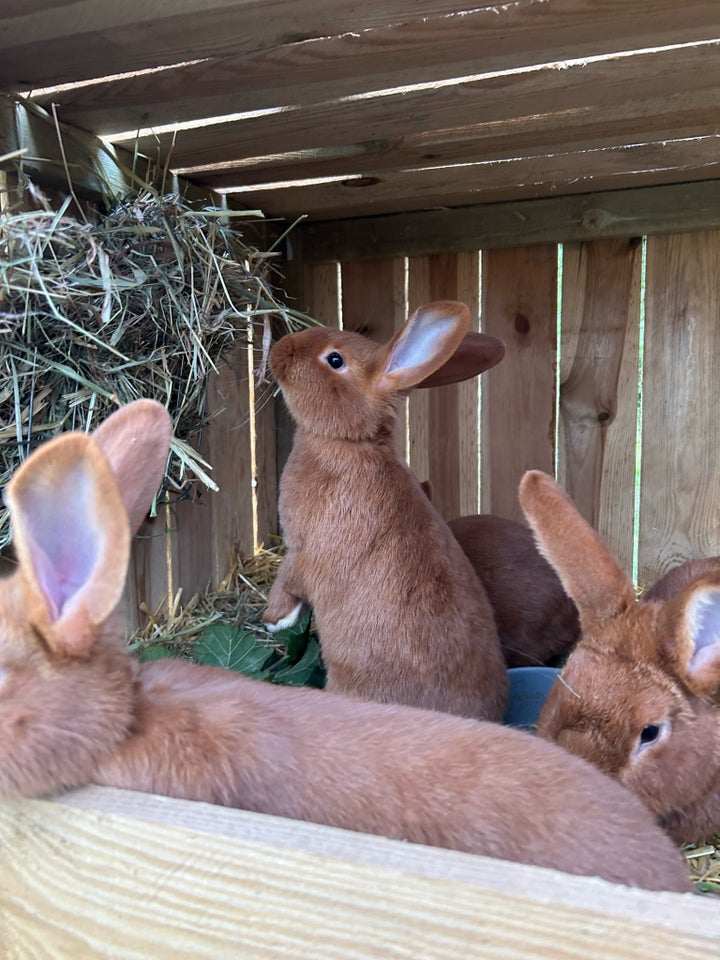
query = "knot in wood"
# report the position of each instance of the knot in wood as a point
(522, 324)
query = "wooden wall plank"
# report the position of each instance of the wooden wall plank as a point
(150, 569)
(229, 402)
(679, 501)
(590, 216)
(444, 421)
(322, 284)
(599, 385)
(373, 297)
(115, 874)
(518, 402)
(265, 475)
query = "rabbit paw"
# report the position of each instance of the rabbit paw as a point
(284, 622)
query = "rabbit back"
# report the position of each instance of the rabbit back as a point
(403, 773)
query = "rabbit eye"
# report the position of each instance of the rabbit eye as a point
(335, 360)
(650, 733)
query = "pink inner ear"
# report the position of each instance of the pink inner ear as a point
(704, 613)
(63, 542)
(420, 343)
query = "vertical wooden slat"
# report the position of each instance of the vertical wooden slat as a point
(314, 289)
(323, 293)
(193, 544)
(149, 572)
(373, 299)
(680, 494)
(265, 479)
(443, 421)
(229, 441)
(599, 385)
(520, 307)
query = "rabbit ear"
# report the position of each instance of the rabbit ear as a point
(72, 541)
(426, 341)
(695, 633)
(136, 441)
(476, 354)
(588, 571)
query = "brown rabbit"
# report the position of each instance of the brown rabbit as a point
(674, 580)
(400, 613)
(639, 697)
(75, 708)
(535, 618)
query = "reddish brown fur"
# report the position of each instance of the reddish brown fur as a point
(535, 618)
(401, 615)
(202, 733)
(676, 579)
(630, 673)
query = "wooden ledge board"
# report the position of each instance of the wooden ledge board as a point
(108, 873)
(588, 216)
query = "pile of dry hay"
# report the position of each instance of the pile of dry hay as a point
(239, 599)
(223, 628)
(142, 303)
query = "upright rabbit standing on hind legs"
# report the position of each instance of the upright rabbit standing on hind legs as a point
(640, 696)
(76, 708)
(400, 613)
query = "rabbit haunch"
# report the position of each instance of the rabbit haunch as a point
(400, 613)
(640, 695)
(75, 708)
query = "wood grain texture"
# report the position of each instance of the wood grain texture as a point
(49, 43)
(264, 439)
(540, 109)
(114, 874)
(599, 385)
(679, 503)
(424, 50)
(590, 216)
(518, 410)
(150, 572)
(494, 181)
(229, 402)
(444, 421)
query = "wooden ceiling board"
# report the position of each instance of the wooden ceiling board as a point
(317, 72)
(48, 44)
(526, 178)
(508, 105)
(416, 51)
(375, 158)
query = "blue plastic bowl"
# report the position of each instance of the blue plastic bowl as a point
(529, 687)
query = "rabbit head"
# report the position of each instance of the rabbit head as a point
(342, 385)
(639, 696)
(66, 684)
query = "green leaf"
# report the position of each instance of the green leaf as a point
(308, 671)
(226, 645)
(295, 639)
(157, 652)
